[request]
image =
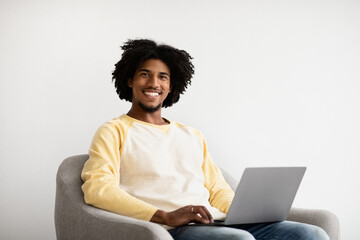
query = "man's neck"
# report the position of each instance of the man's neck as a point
(153, 118)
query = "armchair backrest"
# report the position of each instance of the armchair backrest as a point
(69, 197)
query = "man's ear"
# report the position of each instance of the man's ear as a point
(129, 82)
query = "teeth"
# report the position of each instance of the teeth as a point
(153, 94)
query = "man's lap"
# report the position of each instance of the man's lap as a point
(285, 230)
(209, 233)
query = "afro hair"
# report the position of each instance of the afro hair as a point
(135, 52)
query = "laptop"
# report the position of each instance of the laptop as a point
(263, 195)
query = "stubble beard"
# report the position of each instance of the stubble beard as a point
(149, 109)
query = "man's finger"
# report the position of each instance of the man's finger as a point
(203, 210)
(208, 214)
(202, 213)
(198, 218)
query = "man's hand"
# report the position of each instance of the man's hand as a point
(183, 216)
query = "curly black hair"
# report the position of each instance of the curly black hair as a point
(135, 52)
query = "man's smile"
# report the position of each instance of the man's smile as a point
(152, 94)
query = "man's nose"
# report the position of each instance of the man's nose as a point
(153, 81)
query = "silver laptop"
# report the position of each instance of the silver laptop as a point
(264, 195)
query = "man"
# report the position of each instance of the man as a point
(144, 166)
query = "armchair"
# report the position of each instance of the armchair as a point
(74, 219)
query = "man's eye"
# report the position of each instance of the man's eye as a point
(144, 74)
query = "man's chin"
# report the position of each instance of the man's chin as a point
(149, 109)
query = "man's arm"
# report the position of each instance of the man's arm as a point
(221, 194)
(101, 176)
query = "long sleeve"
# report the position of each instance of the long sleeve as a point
(221, 194)
(101, 176)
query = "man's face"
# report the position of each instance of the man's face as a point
(150, 85)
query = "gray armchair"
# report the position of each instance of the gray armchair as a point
(74, 219)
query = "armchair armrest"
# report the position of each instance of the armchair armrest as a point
(101, 224)
(322, 218)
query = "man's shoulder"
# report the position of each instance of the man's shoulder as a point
(116, 124)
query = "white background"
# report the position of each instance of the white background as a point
(277, 83)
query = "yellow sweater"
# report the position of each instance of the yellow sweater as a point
(136, 168)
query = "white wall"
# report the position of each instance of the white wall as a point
(277, 83)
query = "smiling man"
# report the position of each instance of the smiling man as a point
(144, 166)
